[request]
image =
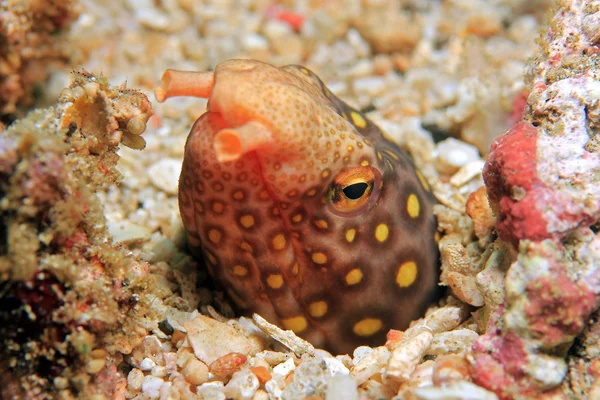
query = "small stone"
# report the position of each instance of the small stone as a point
(135, 379)
(127, 232)
(165, 175)
(151, 386)
(95, 366)
(450, 368)
(261, 395)
(341, 387)
(453, 391)
(458, 340)
(467, 172)
(61, 383)
(453, 154)
(548, 371)
(211, 391)
(478, 208)
(273, 389)
(284, 368)
(147, 364)
(152, 18)
(287, 338)
(242, 386)
(335, 366)
(465, 288)
(159, 371)
(407, 355)
(370, 364)
(262, 373)
(212, 339)
(224, 367)
(195, 371)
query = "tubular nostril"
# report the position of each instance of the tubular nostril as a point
(184, 83)
(227, 145)
(231, 143)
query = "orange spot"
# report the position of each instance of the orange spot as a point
(279, 242)
(215, 235)
(240, 270)
(275, 281)
(319, 258)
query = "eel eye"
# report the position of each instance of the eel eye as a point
(354, 190)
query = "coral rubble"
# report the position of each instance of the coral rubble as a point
(542, 181)
(31, 42)
(63, 284)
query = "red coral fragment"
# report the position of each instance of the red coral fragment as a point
(557, 307)
(499, 365)
(514, 187)
(294, 20)
(489, 373)
(518, 106)
(43, 294)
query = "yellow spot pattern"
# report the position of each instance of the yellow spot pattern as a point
(211, 259)
(218, 207)
(367, 327)
(317, 309)
(321, 224)
(297, 218)
(297, 324)
(246, 247)
(319, 258)
(407, 274)
(350, 235)
(413, 206)
(392, 154)
(240, 270)
(381, 232)
(275, 281)
(247, 221)
(279, 242)
(354, 277)
(423, 180)
(358, 119)
(214, 235)
(239, 195)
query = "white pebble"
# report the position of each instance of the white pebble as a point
(242, 386)
(255, 41)
(151, 386)
(152, 18)
(370, 85)
(195, 371)
(128, 232)
(273, 389)
(285, 368)
(360, 352)
(335, 366)
(211, 391)
(135, 379)
(165, 174)
(147, 364)
(341, 387)
(455, 390)
(159, 371)
(467, 172)
(453, 154)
